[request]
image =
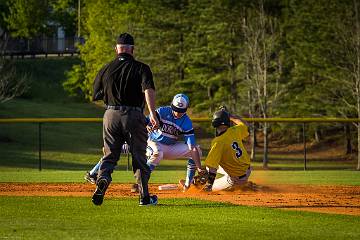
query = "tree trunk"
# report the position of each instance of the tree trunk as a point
(265, 79)
(181, 67)
(253, 142)
(317, 135)
(357, 76)
(266, 144)
(233, 90)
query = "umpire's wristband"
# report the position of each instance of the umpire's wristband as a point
(211, 178)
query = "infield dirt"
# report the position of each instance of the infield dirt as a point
(325, 199)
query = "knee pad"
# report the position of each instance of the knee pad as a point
(149, 152)
(153, 158)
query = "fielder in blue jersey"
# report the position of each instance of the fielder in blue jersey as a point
(164, 142)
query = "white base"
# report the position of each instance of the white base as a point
(168, 187)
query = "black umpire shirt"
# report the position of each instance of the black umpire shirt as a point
(123, 81)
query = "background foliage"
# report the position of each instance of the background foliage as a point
(223, 52)
(264, 58)
(268, 58)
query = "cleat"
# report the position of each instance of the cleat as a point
(100, 190)
(151, 201)
(135, 188)
(182, 185)
(90, 178)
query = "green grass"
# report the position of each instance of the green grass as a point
(316, 177)
(121, 218)
(55, 176)
(46, 76)
(330, 177)
(65, 145)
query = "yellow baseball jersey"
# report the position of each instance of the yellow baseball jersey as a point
(228, 151)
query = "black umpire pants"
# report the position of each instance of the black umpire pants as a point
(120, 126)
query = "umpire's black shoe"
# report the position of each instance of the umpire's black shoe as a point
(148, 201)
(98, 197)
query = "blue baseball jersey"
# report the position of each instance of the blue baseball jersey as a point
(171, 128)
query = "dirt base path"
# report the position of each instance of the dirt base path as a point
(326, 199)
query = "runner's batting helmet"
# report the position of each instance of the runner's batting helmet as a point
(220, 118)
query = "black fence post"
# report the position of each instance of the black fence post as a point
(304, 141)
(128, 162)
(39, 146)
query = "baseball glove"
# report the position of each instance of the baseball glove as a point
(201, 178)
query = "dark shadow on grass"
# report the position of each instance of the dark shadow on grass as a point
(25, 160)
(33, 163)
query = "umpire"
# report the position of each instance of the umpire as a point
(125, 84)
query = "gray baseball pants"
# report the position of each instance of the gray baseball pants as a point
(120, 126)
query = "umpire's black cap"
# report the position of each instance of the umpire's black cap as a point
(125, 38)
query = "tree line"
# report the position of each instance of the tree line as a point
(266, 58)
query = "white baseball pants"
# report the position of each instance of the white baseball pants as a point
(160, 151)
(226, 182)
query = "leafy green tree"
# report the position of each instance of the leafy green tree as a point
(64, 13)
(30, 18)
(307, 34)
(27, 18)
(103, 22)
(344, 54)
(164, 44)
(308, 31)
(215, 60)
(4, 36)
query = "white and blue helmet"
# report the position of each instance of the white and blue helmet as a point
(180, 103)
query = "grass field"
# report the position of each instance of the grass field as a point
(328, 177)
(120, 218)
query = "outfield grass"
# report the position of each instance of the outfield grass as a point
(121, 218)
(65, 146)
(328, 177)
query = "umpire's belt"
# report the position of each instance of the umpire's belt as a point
(124, 108)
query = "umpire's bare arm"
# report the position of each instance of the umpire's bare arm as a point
(150, 101)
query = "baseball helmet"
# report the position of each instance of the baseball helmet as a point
(220, 118)
(180, 103)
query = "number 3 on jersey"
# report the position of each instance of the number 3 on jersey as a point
(237, 149)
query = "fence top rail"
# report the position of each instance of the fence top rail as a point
(49, 120)
(269, 120)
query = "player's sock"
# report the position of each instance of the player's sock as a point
(190, 173)
(95, 170)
